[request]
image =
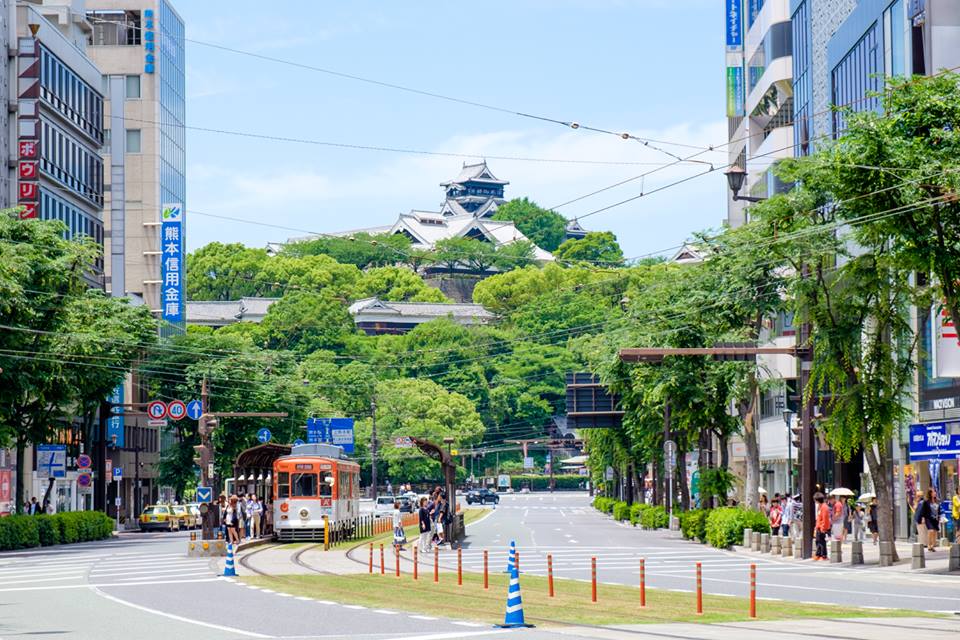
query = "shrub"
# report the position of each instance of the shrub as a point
(725, 525)
(22, 532)
(693, 524)
(654, 518)
(621, 511)
(604, 504)
(636, 512)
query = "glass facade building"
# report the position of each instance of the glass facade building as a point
(172, 81)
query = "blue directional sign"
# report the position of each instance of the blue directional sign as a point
(264, 435)
(338, 431)
(118, 473)
(205, 495)
(52, 458)
(298, 442)
(194, 409)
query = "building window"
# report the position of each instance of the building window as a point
(133, 140)
(114, 28)
(133, 87)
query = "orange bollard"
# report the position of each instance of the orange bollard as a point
(459, 567)
(416, 563)
(593, 579)
(643, 583)
(550, 574)
(370, 563)
(436, 564)
(753, 591)
(486, 582)
(699, 590)
(383, 567)
(396, 557)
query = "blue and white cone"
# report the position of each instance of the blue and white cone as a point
(514, 613)
(229, 569)
(512, 560)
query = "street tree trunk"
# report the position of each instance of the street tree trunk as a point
(21, 445)
(748, 416)
(680, 472)
(881, 472)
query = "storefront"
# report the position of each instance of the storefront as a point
(934, 460)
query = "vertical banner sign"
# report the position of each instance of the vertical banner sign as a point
(753, 10)
(28, 126)
(735, 92)
(149, 44)
(946, 347)
(172, 264)
(734, 24)
(115, 422)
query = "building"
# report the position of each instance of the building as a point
(376, 317)
(220, 313)
(475, 191)
(139, 47)
(760, 96)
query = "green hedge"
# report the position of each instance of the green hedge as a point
(621, 511)
(601, 503)
(693, 524)
(654, 518)
(20, 532)
(542, 483)
(636, 512)
(725, 525)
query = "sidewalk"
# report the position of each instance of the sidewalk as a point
(852, 629)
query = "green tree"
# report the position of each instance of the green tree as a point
(597, 247)
(396, 284)
(515, 255)
(225, 272)
(360, 249)
(63, 346)
(543, 227)
(476, 255)
(305, 322)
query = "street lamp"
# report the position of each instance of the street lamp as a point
(788, 420)
(735, 177)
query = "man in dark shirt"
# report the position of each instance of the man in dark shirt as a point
(425, 528)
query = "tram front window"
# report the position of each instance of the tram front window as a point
(304, 485)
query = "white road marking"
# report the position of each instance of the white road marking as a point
(208, 625)
(423, 617)
(353, 606)
(147, 577)
(386, 612)
(109, 584)
(451, 636)
(76, 576)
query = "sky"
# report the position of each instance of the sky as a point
(653, 68)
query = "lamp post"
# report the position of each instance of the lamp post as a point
(735, 177)
(788, 420)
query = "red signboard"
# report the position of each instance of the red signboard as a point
(6, 493)
(28, 125)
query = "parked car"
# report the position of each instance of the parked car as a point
(383, 507)
(406, 504)
(186, 517)
(158, 516)
(482, 496)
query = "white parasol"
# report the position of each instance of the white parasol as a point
(841, 491)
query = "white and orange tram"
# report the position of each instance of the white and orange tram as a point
(314, 481)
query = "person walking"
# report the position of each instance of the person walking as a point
(439, 518)
(823, 526)
(836, 518)
(872, 521)
(257, 513)
(232, 520)
(35, 509)
(221, 515)
(399, 535)
(786, 517)
(928, 515)
(426, 526)
(857, 517)
(775, 517)
(764, 506)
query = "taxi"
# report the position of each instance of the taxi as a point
(185, 517)
(159, 516)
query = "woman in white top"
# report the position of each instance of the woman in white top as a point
(399, 536)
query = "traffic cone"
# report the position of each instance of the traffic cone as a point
(512, 560)
(514, 614)
(228, 569)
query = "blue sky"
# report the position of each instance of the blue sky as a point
(650, 67)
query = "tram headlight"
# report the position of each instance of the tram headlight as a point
(304, 513)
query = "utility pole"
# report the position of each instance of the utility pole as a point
(808, 451)
(373, 447)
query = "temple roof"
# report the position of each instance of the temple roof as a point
(475, 173)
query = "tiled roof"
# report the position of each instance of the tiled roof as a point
(218, 312)
(474, 173)
(420, 309)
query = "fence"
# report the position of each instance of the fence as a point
(342, 531)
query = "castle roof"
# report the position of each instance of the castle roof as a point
(475, 173)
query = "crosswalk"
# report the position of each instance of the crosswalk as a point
(98, 567)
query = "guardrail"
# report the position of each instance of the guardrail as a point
(337, 532)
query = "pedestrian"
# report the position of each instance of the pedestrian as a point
(872, 520)
(34, 507)
(764, 506)
(928, 515)
(857, 519)
(248, 515)
(221, 514)
(426, 527)
(836, 518)
(439, 517)
(797, 517)
(399, 535)
(956, 516)
(823, 526)
(257, 512)
(232, 520)
(775, 516)
(786, 516)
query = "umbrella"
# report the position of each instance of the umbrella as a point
(841, 491)
(866, 496)
(762, 490)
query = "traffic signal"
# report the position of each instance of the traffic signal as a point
(797, 438)
(201, 454)
(733, 355)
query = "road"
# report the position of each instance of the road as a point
(566, 526)
(143, 585)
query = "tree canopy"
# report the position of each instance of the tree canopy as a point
(543, 227)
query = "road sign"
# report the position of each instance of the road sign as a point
(118, 473)
(116, 501)
(528, 462)
(157, 423)
(194, 409)
(503, 481)
(609, 473)
(402, 442)
(84, 480)
(157, 410)
(176, 409)
(670, 454)
(264, 435)
(204, 508)
(52, 459)
(204, 494)
(338, 431)
(298, 442)
(84, 461)
(108, 467)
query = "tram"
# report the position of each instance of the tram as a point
(314, 481)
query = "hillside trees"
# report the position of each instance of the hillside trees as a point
(543, 227)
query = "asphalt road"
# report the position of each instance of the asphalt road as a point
(566, 526)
